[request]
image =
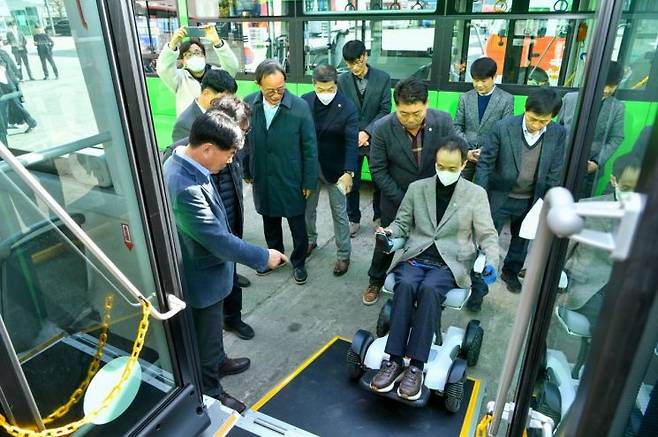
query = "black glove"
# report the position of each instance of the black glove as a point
(383, 242)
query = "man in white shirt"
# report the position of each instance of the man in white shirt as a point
(521, 159)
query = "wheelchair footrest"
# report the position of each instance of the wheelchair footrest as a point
(424, 398)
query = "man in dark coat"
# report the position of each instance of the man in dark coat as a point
(336, 126)
(521, 160)
(402, 150)
(281, 161)
(45, 45)
(18, 43)
(370, 90)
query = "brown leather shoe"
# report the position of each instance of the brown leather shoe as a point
(229, 401)
(341, 267)
(411, 386)
(384, 380)
(233, 366)
(371, 294)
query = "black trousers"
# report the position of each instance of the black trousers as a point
(14, 104)
(353, 198)
(380, 262)
(233, 303)
(426, 288)
(21, 58)
(208, 328)
(514, 211)
(48, 56)
(274, 237)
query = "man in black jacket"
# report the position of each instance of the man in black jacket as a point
(45, 45)
(403, 150)
(336, 128)
(370, 91)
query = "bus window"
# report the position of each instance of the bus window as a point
(528, 52)
(370, 6)
(400, 47)
(156, 24)
(254, 41)
(203, 9)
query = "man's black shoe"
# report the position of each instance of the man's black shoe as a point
(241, 329)
(474, 307)
(229, 401)
(512, 282)
(243, 282)
(233, 366)
(299, 275)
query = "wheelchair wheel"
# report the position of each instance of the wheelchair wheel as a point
(384, 319)
(453, 396)
(472, 343)
(354, 366)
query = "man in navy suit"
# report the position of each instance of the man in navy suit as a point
(209, 249)
(336, 128)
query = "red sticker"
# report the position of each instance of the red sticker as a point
(127, 240)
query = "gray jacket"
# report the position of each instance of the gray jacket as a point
(465, 226)
(376, 100)
(588, 269)
(467, 120)
(393, 166)
(500, 160)
(184, 122)
(609, 133)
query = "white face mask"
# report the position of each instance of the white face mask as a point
(447, 177)
(196, 63)
(326, 98)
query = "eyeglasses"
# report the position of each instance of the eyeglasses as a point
(189, 54)
(273, 91)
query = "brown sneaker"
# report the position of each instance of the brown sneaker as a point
(388, 375)
(371, 295)
(411, 386)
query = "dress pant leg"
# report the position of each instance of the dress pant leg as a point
(233, 303)
(407, 280)
(379, 265)
(19, 63)
(338, 204)
(429, 297)
(27, 64)
(518, 247)
(44, 66)
(52, 63)
(311, 214)
(376, 202)
(297, 226)
(353, 198)
(273, 233)
(210, 345)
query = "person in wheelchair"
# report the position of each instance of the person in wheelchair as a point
(444, 219)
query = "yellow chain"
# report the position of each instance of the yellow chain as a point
(74, 426)
(93, 367)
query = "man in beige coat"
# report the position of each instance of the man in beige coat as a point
(444, 218)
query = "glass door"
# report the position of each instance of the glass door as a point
(72, 115)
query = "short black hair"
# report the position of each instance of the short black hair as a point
(543, 101)
(220, 81)
(410, 90)
(353, 50)
(268, 67)
(451, 143)
(615, 73)
(185, 46)
(234, 107)
(214, 126)
(325, 73)
(483, 68)
(626, 161)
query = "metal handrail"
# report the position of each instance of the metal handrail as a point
(175, 304)
(54, 152)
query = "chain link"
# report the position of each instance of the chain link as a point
(94, 366)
